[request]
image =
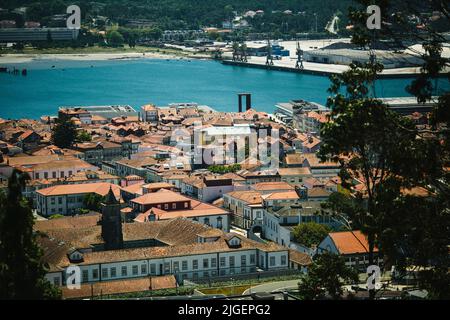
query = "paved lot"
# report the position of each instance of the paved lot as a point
(273, 286)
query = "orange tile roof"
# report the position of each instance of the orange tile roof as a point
(100, 188)
(134, 188)
(161, 196)
(277, 185)
(157, 185)
(302, 171)
(288, 195)
(350, 242)
(250, 197)
(120, 287)
(299, 257)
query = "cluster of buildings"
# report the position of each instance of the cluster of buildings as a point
(138, 201)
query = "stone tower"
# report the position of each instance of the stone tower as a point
(112, 222)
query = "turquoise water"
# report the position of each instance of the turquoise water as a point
(138, 82)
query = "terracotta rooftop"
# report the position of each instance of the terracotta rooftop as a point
(100, 188)
(318, 192)
(161, 196)
(301, 171)
(299, 257)
(120, 287)
(180, 236)
(82, 221)
(294, 158)
(134, 188)
(350, 242)
(250, 197)
(288, 195)
(268, 186)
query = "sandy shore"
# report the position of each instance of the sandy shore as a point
(24, 58)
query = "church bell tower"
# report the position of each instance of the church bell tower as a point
(112, 222)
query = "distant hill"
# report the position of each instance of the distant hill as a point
(173, 14)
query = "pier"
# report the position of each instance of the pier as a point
(322, 69)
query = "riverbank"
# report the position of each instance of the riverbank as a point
(96, 54)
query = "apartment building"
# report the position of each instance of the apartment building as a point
(166, 204)
(69, 199)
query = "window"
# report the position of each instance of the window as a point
(104, 273)
(124, 271)
(166, 267)
(283, 260)
(143, 269)
(135, 270)
(46, 175)
(59, 200)
(219, 223)
(174, 205)
(166, 206)
(56, 281)
(252, 259)
(272, 261)
(52, 200)
(213, 262)
(37, 175)
(205, 263)
(186, 205)
(207, 221)
(184, 265)
(194, 264)
(85, 275)
(176, 266)
(222, 261)
(54, 175)
(231, 262)
(113, 272)
(243, 261)
(153, 268)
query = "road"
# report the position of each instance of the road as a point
(273, 286)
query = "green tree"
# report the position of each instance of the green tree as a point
(410, 229)
(325, 277)
(64, 132)
(84, 136)
(310, 233)
(114, 38)
(22, 272)
(92, 201)
(371, 143)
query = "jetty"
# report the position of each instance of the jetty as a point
(322, 69)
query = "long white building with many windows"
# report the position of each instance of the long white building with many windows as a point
(106, 250)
